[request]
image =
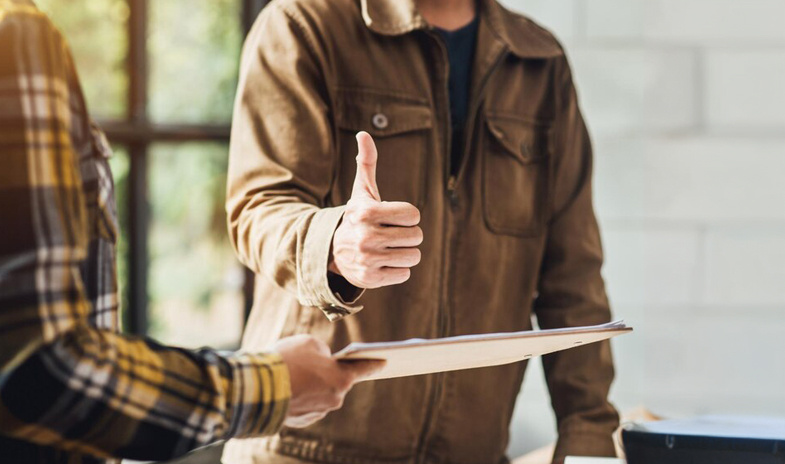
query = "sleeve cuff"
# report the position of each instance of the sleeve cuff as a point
(258, 398)
(313, 283)
(585, 443)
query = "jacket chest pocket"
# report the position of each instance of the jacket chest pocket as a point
(516, 168)
(400, 128)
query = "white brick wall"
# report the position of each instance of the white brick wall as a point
(691, 180)
(687, 22)
(634, 90)
(745, 89)
(744, 269)
(652, 266)
(686, 103)
(558, 16)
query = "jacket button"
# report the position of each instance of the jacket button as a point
(380, 121)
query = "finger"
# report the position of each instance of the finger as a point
(365, 179)
(321, 347)
(379, 239)
(400, 237)
(390, 213)
(305, 420)
(394, 275)
(362, 369)
(399, 257)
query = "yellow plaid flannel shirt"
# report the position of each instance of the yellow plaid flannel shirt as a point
(72, 389)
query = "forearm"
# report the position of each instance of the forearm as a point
(289, 241)
(579, 379)
(105, 394)
(572, 291)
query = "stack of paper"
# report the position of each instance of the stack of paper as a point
(418, 356)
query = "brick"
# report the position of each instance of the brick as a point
(695, 180)
(744, 90)
(703, 22)
(745, 268)
(558, 16)
(651, 266)
(635, 90)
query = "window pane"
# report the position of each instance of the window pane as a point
(195, 282)
(96, 31)
(193, 68)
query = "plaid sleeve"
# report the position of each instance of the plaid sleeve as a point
(64, 382)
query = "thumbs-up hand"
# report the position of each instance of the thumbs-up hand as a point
(376, 243)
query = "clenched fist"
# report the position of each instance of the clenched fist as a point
(376, 243)
(319, 383)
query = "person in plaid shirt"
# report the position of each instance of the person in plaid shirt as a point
(72, 389)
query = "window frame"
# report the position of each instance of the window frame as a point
(137, 132)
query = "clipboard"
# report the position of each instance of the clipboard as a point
(419, 356)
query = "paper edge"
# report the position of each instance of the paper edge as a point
(355, 347)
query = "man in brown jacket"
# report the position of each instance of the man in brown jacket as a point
(487, 219)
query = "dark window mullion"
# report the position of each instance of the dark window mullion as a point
(138, 219)
(138, 223)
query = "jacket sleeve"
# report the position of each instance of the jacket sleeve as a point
(571, 290)
(63, 382)
(282, 162)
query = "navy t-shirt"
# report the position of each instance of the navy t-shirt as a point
(461, 44)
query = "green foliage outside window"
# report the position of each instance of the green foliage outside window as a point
(96, 31)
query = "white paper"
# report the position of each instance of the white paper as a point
(419, 356)
(581, 460)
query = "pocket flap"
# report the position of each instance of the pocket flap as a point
(381, 114)
(525, 140)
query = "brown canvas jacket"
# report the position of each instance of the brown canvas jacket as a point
(511, 236)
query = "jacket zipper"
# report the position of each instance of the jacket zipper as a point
(442, 322)
(452, 194)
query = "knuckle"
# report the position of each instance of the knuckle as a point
(367, 276)
(345, 383)
(364, 249)
(362, 215)
(336, 402)
(365, 214)
(364, 259)
(311, 342)
(365, 240)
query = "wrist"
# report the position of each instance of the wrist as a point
(347, 291)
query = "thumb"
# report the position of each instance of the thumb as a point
(365, 180)
(362, 369)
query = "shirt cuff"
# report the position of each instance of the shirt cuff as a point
(259, 392)
(313, 283)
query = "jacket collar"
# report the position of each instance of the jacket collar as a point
(521, 36)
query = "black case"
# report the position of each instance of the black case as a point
(646, 447)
